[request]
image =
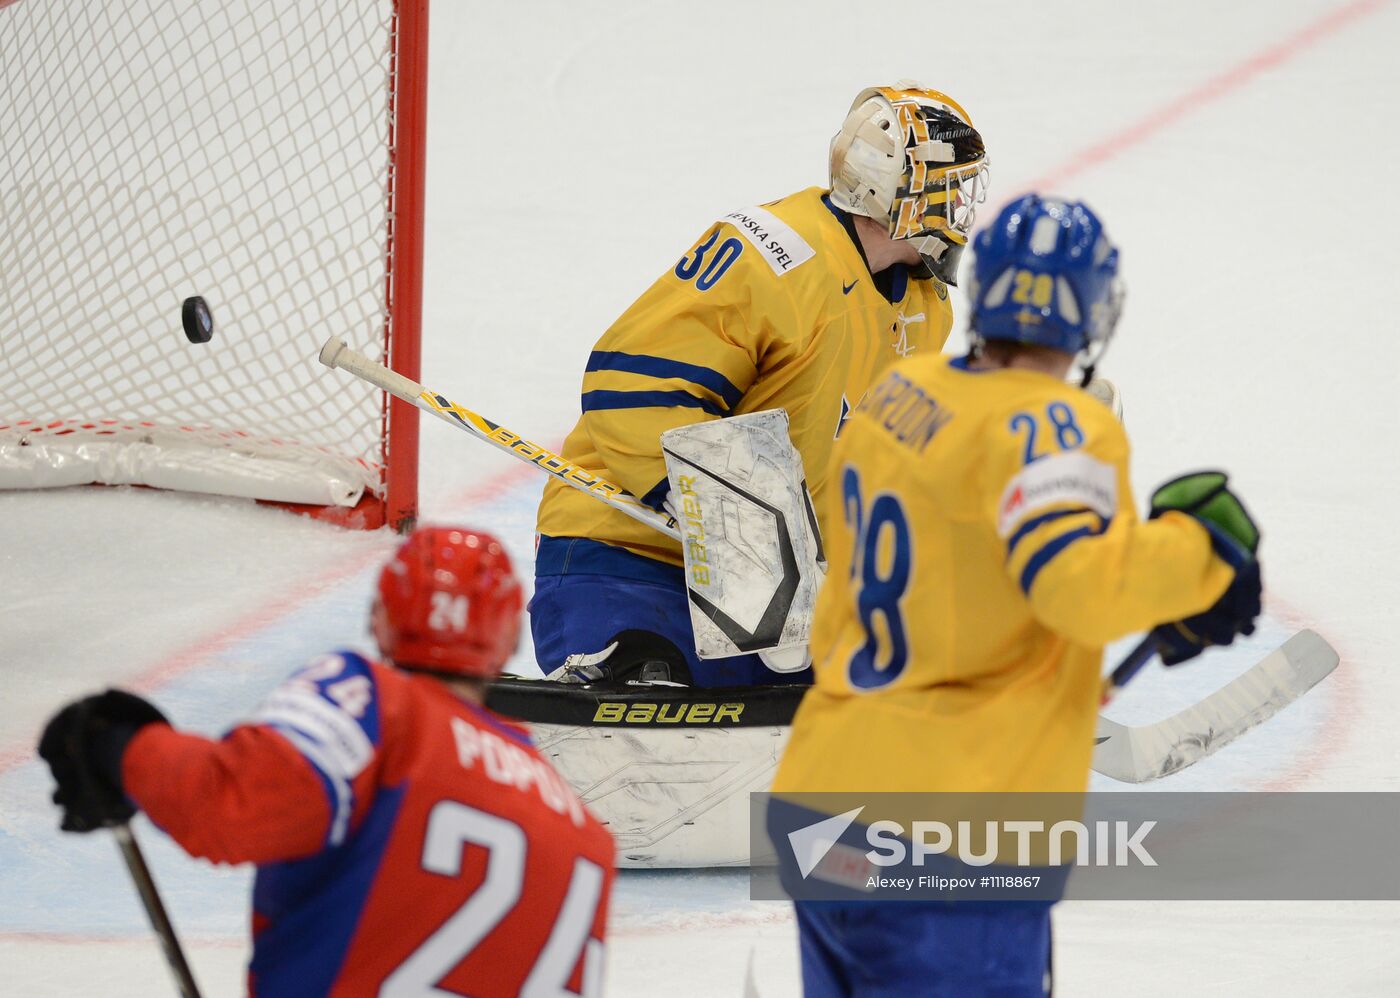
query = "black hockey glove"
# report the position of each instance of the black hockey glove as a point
(83, 744)
(1234, 536)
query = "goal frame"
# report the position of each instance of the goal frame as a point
(408, 134)
(395, 503)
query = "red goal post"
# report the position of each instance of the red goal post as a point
(268, 156)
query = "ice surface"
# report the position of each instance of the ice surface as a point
(1238, 158)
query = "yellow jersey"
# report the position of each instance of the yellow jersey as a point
(984, 546)
(772, 307)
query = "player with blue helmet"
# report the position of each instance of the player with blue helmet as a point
(984, 547)
(1046, 275)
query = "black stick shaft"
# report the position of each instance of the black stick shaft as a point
(155, 909)
(1128, 668)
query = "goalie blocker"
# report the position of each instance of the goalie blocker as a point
(736, 613)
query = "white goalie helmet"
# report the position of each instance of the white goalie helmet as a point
(908, 157)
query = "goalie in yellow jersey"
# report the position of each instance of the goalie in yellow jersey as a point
(984, 546)
(797, 304)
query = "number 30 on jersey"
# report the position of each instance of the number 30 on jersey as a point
(704, 268)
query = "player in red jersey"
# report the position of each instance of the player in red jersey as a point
(408, 841)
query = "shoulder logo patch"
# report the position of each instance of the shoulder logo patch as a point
(846, 288)
(776, 241)
(1053, 481)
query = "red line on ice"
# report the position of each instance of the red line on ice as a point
(141, 938)
(276, 608)
(1213, 89)
(1344, 697)
(1343, 704)
(687, 922)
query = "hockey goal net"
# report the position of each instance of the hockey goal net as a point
(264, 154)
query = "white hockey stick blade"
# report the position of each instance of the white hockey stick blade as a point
(1151, 751)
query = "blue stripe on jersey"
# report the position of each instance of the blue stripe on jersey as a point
(313, 907)
(595, 400)
(665, 367)
(1037, 521)
(1047, 554)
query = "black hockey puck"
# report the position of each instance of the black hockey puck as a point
(199, 323)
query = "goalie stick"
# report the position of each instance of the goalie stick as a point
(1136, 754)
(335, 353)
(735, 609)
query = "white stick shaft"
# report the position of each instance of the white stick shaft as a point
(335, 353)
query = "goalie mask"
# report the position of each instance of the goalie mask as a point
(908, 157)
(448, 602)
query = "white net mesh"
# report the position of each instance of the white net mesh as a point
(151, 150)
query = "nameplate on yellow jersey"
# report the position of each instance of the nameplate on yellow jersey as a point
(776, 241)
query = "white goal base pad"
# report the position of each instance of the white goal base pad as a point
(188, 461)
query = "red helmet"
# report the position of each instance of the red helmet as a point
(448, 602)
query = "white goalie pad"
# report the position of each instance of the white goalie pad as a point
(667, 768)
(669, 798)
(187, 460)
(752, 549)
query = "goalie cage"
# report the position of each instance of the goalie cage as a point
(267, 156)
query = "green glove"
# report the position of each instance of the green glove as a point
(1206, 495)
(1234, 537)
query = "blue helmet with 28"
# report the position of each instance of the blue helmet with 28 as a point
(1045, 273)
